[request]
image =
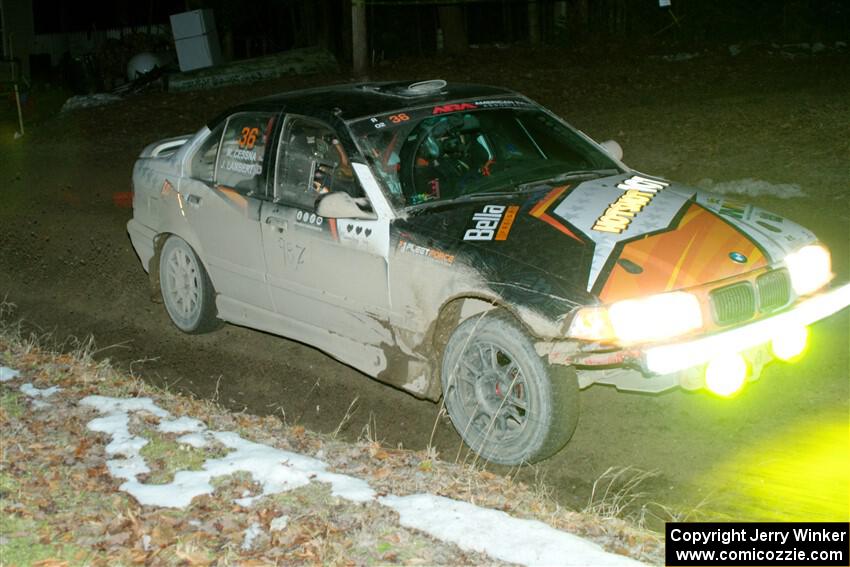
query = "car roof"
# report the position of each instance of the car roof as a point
(350, 101)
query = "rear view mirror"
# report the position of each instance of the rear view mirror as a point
(614, 149)
(341, 205)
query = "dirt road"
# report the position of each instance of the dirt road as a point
(776, 451)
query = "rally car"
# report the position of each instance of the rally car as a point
(462, 242)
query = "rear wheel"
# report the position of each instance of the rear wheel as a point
(508, 405)
(187, 292)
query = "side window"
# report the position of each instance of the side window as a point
(310, 163)
(202, 165)
(241, 158)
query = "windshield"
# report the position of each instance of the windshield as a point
(423, 156)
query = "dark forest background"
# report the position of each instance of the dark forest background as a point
(400, 28)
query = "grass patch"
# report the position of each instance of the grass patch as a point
(22, 544)
(166, 457)
(11, 405)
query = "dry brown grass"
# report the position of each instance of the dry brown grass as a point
(59, 502)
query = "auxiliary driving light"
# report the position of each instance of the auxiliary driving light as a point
(791, 342)
(725, 374)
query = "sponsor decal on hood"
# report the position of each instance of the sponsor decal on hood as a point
(615, 237)
(610, 211)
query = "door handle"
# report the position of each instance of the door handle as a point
(193, 199)
(279, 224)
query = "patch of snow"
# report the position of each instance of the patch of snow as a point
(34, 392)
(680, 57)
(497, 534)
(753, 188)
(279, 523)
(146, 542)
(492, 532)
(118, 426)
(179, 493)
(39, 404)
(275, 470)
(129, 468)
(105, 404)
(181, 425)
(89, 101)
(196, 440)
(250, 534)
(7, 374)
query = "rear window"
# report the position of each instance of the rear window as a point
(242, 155)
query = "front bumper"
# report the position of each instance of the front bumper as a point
(654, 368)
(665, 359)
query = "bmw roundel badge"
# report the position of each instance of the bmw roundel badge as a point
(738, 258)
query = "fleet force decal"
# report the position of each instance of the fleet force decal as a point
(492, 223)
(638, 193)
(411, 248)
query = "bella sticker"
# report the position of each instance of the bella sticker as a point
(493, 220)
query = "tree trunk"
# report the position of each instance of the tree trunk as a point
(508, 20)
(533, 22)
(360, 49)
(345, 36)
(580, 20)
(454, 31)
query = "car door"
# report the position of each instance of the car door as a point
(221, 198)
(329, 276)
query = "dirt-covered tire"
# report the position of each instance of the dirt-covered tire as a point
(507, 403)
(187, 292)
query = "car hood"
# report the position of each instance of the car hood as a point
(615, 237)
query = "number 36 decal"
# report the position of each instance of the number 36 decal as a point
(249, 138)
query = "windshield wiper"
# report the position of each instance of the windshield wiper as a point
(461, 199)
(582, 175)
(527, 187)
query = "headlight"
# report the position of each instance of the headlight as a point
(652, 318)
(810, 268)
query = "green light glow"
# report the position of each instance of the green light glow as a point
(791, 343)
(725, 375)
(799, 473)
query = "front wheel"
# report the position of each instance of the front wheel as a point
(508, 405)
(187, 292)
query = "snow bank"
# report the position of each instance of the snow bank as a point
(7, 374)
(498, 534)
(470, 527)
(753, 188)
(34, 392)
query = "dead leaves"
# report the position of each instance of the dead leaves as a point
(63, 485)
(50, 562)
(194, 557)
